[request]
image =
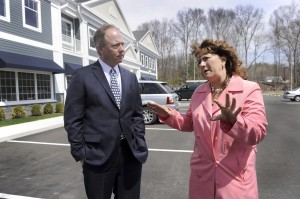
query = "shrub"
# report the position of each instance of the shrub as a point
(48, 109)
(59, 107)
(18, 112)
(36, 110)
(2, 114)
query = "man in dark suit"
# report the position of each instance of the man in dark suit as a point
(104, 120)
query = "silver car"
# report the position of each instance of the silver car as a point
(293, 95)
(158, 92)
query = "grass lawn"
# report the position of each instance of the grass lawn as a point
(28, 119)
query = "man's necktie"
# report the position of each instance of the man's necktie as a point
(115, 87)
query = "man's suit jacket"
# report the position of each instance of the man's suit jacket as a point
(94, 122)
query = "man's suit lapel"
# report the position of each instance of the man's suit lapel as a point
(125, 78)
(99, 74)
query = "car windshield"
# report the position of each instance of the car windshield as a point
(165, 85)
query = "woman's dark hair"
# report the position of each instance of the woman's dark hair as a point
(221, 48)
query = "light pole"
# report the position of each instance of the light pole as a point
(254, 70)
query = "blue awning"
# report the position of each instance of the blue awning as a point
(69, 68)
(12, 60)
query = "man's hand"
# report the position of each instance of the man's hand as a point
(82, 162)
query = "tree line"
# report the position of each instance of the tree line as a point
(244, 27)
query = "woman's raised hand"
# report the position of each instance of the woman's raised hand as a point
(160, 110)
(228, 112)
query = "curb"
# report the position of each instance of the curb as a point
(29, 128)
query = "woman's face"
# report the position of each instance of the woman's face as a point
(212, 67)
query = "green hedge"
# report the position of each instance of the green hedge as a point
(48, 109)
(2, 114)
(59, 107)
(36, 110)
(18, 112)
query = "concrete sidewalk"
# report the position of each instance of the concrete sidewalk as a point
(24, 129)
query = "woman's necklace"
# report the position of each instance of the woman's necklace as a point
(216, 92)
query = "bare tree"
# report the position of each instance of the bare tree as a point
(219, 23)
(285, 23)
(188, 21)
(248, 22)
(165, 41)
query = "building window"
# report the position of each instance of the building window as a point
(26, 86)
(32, 14)
(43, 86)
(146, 61)
(7, 86)
(142, 59)
(153, 64)
(150, 62)
(4, 10)
(91, 38)
(66, 28)
(67, 31)
(30, 86)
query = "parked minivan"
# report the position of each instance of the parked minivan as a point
(186, 91)
(158, 92)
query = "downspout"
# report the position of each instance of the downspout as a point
(79, 11)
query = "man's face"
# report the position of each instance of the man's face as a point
(113, 53)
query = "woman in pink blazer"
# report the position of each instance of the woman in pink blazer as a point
(227, 116)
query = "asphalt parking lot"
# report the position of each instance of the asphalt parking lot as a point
(40, 165)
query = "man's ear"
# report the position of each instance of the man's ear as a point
(99, 49)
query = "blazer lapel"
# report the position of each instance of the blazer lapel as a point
(99, 74)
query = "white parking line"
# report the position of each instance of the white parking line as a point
(170, 150)
(9, 196)
(43, 143)
(58, 144)
(161, 129)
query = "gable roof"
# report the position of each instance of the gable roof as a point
(145, 39)
(110, 12)
(139, 34)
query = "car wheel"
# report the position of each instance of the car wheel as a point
(297, 98)
(149, 116)
(179, 98)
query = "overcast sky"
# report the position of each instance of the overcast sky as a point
(138, 11)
